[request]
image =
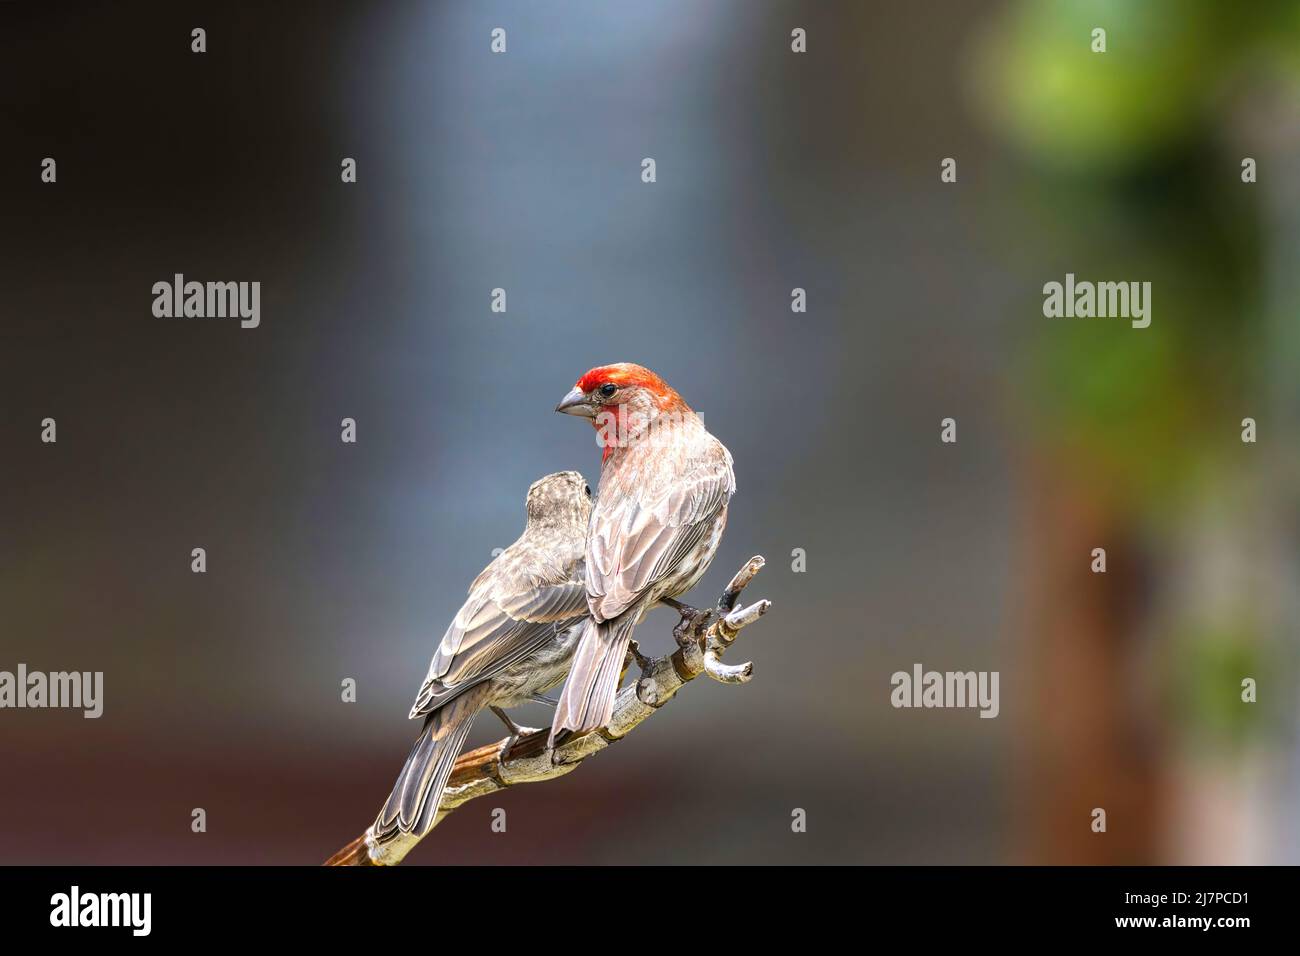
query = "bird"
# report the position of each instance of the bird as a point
(659, 515)
(510, 642)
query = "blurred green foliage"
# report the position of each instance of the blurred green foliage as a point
(1152, 408)
(1125, 180)
(1096, 112)
(1206, 693)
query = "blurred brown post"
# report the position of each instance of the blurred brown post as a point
(1089, 741)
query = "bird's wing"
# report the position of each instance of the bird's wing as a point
(640, 533)
(514, 607)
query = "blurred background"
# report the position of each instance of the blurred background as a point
(775, 170)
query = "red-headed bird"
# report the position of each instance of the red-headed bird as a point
(511, 641)
(660, 511)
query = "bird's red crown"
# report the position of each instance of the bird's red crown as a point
(626, 373)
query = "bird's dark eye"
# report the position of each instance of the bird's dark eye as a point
(608, 389)
(587, 489)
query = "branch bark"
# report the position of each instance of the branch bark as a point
(491, 768)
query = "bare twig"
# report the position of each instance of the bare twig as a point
(489, 769)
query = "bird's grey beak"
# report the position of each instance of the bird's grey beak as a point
(575, 403)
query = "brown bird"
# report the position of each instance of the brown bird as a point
(511, 641)
(661, 507)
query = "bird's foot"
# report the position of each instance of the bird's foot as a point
(634, 651)
(693, 623)
(515, 730)
(543, 699)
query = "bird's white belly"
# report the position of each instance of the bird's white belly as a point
(544, 669)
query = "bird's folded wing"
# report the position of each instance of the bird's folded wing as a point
(505, 619)
(639, 537)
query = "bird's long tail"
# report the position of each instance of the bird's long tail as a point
(413, 804)
(587, 701)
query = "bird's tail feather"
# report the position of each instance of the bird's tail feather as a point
(587, 701)
(413, 804)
